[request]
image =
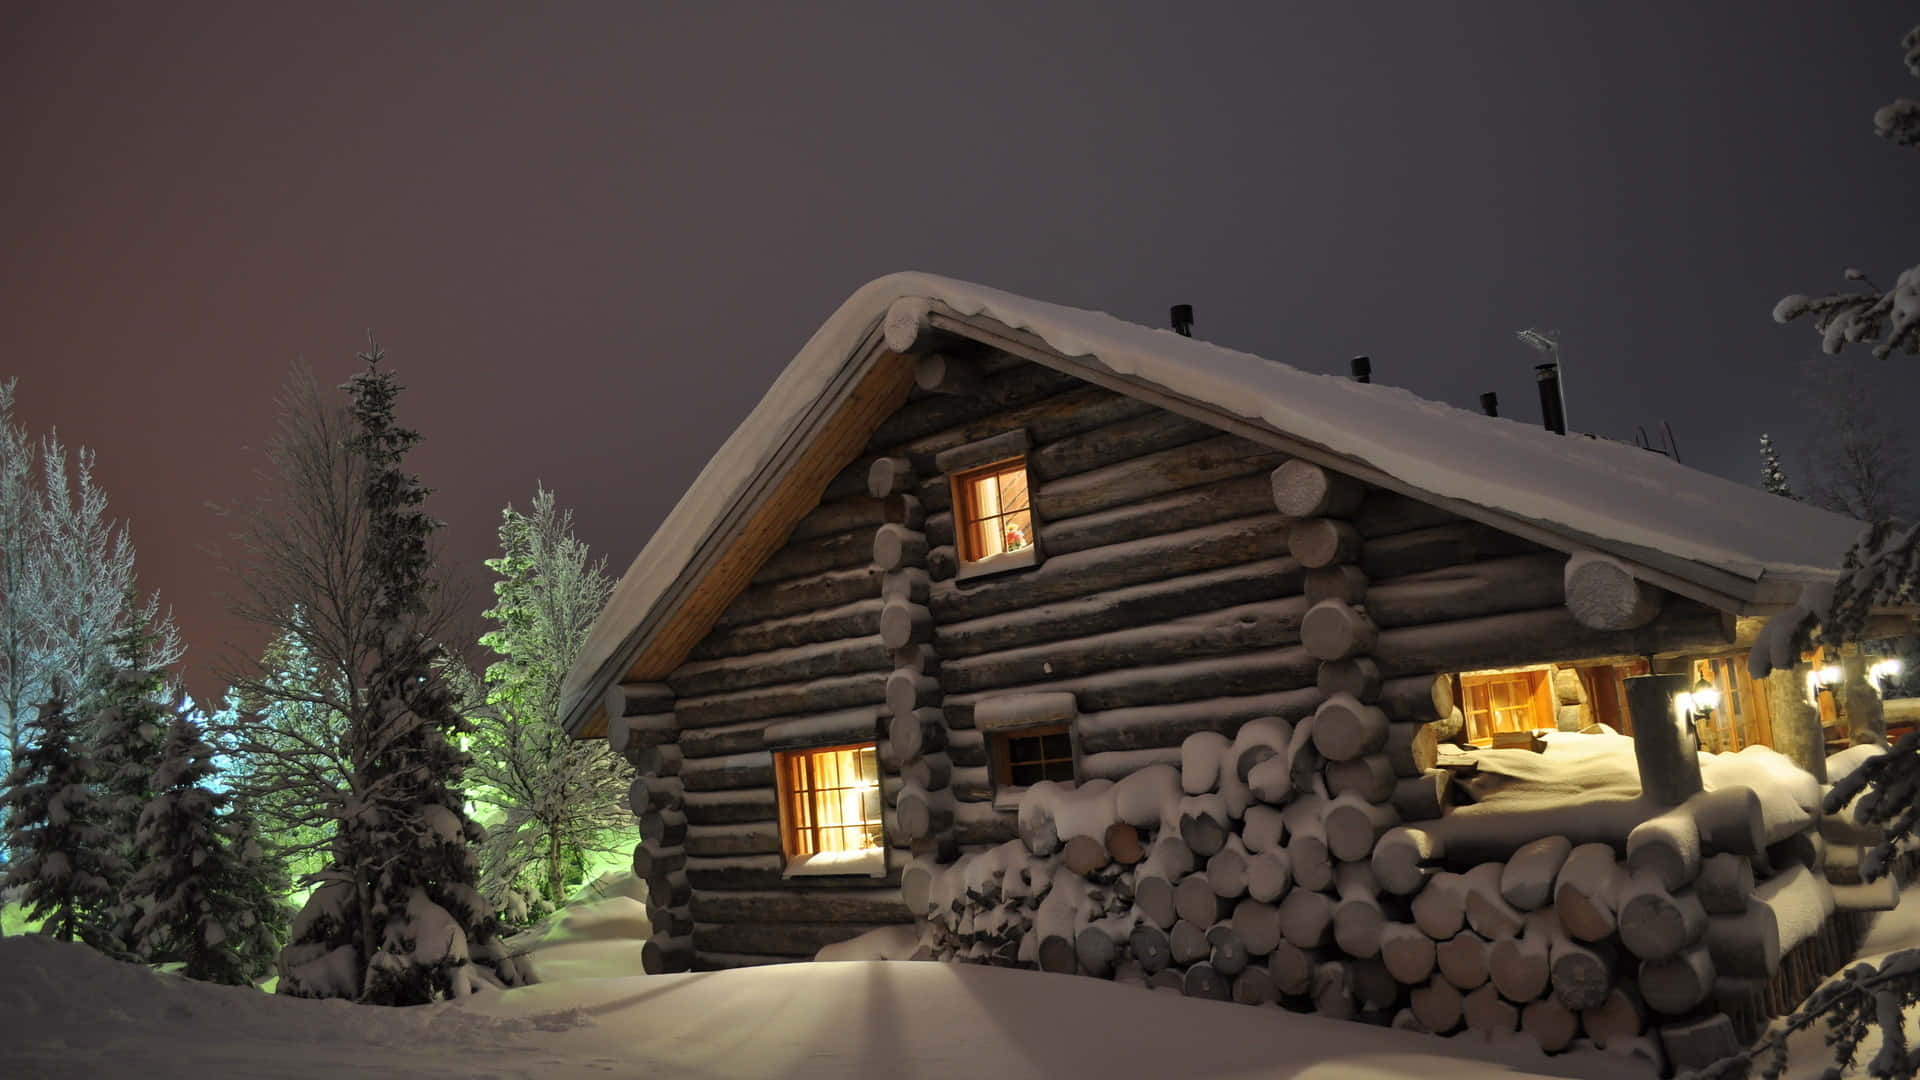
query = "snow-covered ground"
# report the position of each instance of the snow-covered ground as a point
(67, 1012)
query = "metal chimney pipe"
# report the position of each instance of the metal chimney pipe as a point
(1551, 412)
(1183, 319)
(1362, 369)
(1490, 403)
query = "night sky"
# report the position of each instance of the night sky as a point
(590, 235)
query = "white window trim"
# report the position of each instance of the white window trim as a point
(996, 564)
(868, 862)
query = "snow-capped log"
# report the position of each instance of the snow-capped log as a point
(655, 760)
(1551, 1024)
(751, 838)
(1674, 984)
(1149, 946)
(912, 734)
(1201, 755)
(1258, 625)
(869, 906)
(1208, 504)
(1306, 919)
(1057, 922)
(929, 424)
(1603, 593)
(1725, 883)
(895, 547)
(1582, 973)
(1373, 986)
(1551, 635)
(1423, 797)
(1369, 778)
(1664, 744)
(1341, 581)
(663, 828)
(1308, 859)
(1302, 489)
(1188, 942)
(1667, 847)
(786, 699)
(859, 618)
(1696, 1044)
(923, 813)
(803, 558)
(1783, 912)
(782, 599)
(1528, 878)
(1518, 966)
(1084, 855)
(1148, 475)
(722, 807)
(1487, 1014)
(1386, 513)
(910, 586)
(934, 772)
(1344, 729)
(1254, 986)
(813, 661)
(1291, 967)
(670, 922)
(648, 861)
(638, 699)
(1148, 798)
(1436, 1005)
(1123, 844)
(1413, 748)
(1320, 541)
(1262, 828)
(1619, 1016)
(1204, 823)
(1269, 876)
(664, 955)
(655, 793)
(1259, 678)
(1202, 981)
(1440, 909)
(1335, 629)
(1258, 924)
(1195, 901)
(1113, 444)
(1404, 857)
(1511, 583)
(1353, 825)
(670, 889)
(1583, 893)
(939, 372)
(1167, 861)
(1407, 952)
(1488, 913)
(652, 729)
(1656, 923)
(1333, 991)
(908, 690)
(1226, 952)
(1462, 959)
(916, 886)
(1226, 869)
(1098, 945)
(1258, 740)
(1417, 698)
(1356, 676)
(1358, 918)
(908, 512)
(903, 624)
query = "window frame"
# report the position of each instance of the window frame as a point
(961, 487)
(1002, 758)
(788, 793)
(1539, 701)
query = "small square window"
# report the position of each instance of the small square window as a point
(830, 810)
(1498, 703)
(1026, 757)
(993, 517)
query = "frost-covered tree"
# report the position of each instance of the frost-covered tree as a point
(205, 897)
(61, 860)
(399, 918)
(1773, 475)
(1858, 464)
(126, 739)
(21, 646)
(556, 798)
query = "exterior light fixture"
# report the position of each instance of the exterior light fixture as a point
(1706, 698)
(1885, 671)
(1829, 676)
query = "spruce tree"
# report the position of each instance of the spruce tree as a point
(62, 862)
(1773, 476)
(401, 893)
(127, 738)
(205, 897)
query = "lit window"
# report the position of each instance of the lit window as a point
(1024, 758)
(830, 810)
(1505, 701)
(992, 515)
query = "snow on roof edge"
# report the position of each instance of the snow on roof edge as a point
(1588, 486)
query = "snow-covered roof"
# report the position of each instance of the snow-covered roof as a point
(1682, 525)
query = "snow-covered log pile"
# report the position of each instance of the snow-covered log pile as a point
(1240, 875)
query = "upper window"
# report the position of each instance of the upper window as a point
(830, 810)
(1026, 757)
(992, 515)
(1506, 701)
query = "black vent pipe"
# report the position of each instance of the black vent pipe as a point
(1183, 319)
(1552, 413)
(1490, 403)
(1362, 369)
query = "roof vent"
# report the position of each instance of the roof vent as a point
(1362, 369)
(1490, 403)
(1183, 319)
(1552, 410)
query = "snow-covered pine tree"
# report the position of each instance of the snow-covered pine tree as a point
(205, 900)
(126, 738)
(400, 902)
(1773, 475)
(557, 798)
(61, 860)
(20, 617)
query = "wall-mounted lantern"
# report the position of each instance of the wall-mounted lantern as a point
(1883, 672)
(1703, 700)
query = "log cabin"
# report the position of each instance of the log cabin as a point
(981, 577)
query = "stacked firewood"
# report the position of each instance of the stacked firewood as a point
(642, 728)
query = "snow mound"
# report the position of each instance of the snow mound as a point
(882, 943)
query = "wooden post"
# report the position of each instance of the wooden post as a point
(1663, 741)
(1859, 702)
(1796, 721)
